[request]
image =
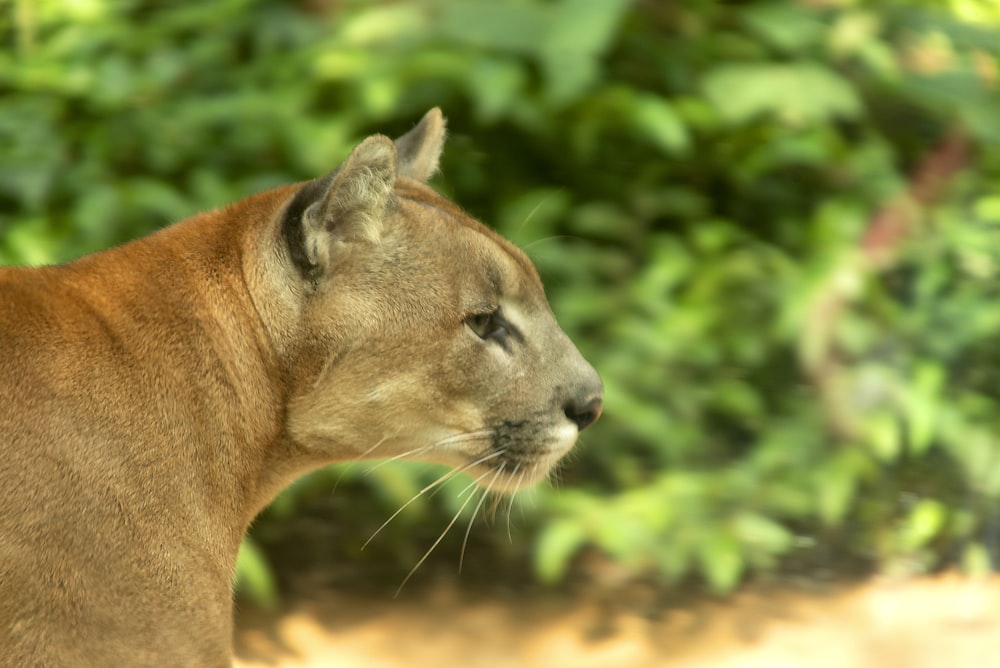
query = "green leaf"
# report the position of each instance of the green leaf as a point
(556, 545)
(505, 26)
(657, 121)
(762, 532)
(580, 31)
(30, 242)
(923, 523)
(497, 85)
(585, 26)
(855, 32)
(797, 93)
(976, 560)
(988, 208)
(923, 405)
(398, 483)
(836, 484)
(721, 562)
(884, 436)
(253, 576)
(790, 27)
(382, 24)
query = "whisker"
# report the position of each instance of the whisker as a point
(380, 442)
(468, 436)
(531, 214)
(395, 458)
(554, 237)
(497, 498)
(468, 529)
(482, 459)
(447, 476)
(344, 470)
(465, 489)
(554, 478)
(510, 506)
(458, 438)
(492, 480)
(531, 499)
(439, 539)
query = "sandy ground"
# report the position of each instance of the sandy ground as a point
(919, 623)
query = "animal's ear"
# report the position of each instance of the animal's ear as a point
(420, 148)
(347, 205)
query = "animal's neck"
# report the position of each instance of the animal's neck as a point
(216, 405)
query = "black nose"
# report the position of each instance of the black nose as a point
(584, 413)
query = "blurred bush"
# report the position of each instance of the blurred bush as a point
(773, 226)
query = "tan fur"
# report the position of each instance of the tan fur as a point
(157, 395)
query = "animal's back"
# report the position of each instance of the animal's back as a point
(75, 562)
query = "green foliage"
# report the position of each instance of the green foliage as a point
(704, 187)
(253, 575)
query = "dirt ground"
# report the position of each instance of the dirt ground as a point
(919, 623)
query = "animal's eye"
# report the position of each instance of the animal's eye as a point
(488, 325)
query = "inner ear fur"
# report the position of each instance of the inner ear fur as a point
(349, 203)
(353, 205)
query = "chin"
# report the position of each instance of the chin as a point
(525, 469)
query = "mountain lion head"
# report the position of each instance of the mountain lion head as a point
(417, 331)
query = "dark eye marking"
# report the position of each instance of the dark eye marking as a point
(489, 325)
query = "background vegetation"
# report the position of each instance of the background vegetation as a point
(773, 226)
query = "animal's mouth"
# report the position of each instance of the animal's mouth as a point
(520, 456)
(508, 477)
(507, 456)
